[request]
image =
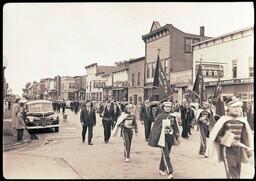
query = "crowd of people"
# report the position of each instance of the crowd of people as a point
(226, 138)
(161, 129)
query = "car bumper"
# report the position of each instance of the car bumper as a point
(43, 127)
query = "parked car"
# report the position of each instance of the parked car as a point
(40, 115)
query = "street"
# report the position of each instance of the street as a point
(63, 155)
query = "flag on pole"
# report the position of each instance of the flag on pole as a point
(161, 82)
(199, 86)
(218, 103)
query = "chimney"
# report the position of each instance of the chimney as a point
(201, 30)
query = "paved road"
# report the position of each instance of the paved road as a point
(63, 155)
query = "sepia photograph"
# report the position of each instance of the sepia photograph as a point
(128, 90)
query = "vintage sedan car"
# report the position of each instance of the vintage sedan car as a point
(40, 115)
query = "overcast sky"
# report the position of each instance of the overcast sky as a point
(46, 39)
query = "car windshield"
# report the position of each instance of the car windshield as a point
(40, 107)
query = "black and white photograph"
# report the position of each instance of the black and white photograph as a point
(128, 90)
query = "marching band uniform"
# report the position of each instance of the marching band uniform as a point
(164, 134)
(203, 121)
(231, 141)
(127, 122)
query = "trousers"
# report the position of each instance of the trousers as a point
(204, 131)
(165, 163)
(147, 128)
(20, 134)
(90, 132)
(127, 138)
(232, 161)
(107, 129)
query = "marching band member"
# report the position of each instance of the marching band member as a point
(164, 134)
(231, 139)
(127, 122)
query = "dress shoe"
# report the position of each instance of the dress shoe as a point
(162, 172)
(170, 176)
(90, 143)
(127, 159)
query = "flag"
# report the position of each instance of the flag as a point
(161, 82)
(199, 86)
(217, 92)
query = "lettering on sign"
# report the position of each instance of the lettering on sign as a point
(212, 70)
(98, 84)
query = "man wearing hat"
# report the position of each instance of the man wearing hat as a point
(231, 139)
(88, 120)
(203, 119)
(164, 134)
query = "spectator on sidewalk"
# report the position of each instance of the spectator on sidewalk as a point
(63, 105)
(20, 123)
(15, 111)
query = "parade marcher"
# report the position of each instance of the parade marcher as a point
(107, 118)
(203, 119)
(116, 114)
(189, 116)
(63, 105)
(184, 121)
(127, 122)
(146, 117)
(15, 112)
(164, 134)
(231, 139)
(156, 109)
(88, 120)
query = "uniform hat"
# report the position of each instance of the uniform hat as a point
(167, 104)
(205, 103)
(129, 106)
(233, 101)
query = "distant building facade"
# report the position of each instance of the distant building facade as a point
(120, 83)
(95, 81)
(67, 88)
(136, 80)
(231, 56)
(175, 54)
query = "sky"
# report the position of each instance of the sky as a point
(42, 40)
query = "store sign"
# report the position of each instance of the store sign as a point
(99, 84)
(212, 70)
(231, 81)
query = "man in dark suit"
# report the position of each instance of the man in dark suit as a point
(116, 114)
(107, 118)
(88, 120)
(146, 117)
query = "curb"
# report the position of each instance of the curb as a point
(9, 147)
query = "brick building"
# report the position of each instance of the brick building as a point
(175, 54)
(136, 80)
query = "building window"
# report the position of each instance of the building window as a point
(187, 45)
(148, 70)
(130, 99)
(138, 83)
(251, 72)
(234, 68)
(153, 69)
(133, 82)
(71, 85)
